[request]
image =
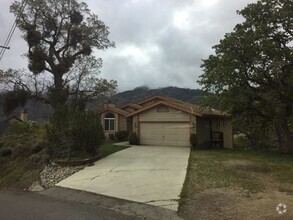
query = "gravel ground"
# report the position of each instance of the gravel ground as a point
(53, 174)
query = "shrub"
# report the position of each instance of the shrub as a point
(70, 130)
(133, 139)
(193, 141)
(39, 147)
(122, 135)
(40, 158)
(112, 137)
(241, 142)
(101, 132)
(35, 158)
(5, 152)
(23, 137)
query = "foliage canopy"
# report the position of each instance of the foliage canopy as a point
(59, 34)
(251, 72)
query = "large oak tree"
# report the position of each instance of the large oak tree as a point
(59, 33)
(251, 72)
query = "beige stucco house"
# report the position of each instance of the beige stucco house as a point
(168, 122)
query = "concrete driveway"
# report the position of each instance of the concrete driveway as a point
(149, 174)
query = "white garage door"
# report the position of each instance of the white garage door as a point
(165, 134)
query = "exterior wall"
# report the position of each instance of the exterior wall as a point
(204, 127)
(122, 123)
(203, 131)
(172, 115)
(225, 126)
(135, 126)
(116, 123)
(129, 124)
(193, 124)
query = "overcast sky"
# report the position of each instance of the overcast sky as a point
(158, 42)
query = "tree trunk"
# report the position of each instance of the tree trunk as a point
(58, 94)
(284, 136)
(58, 81)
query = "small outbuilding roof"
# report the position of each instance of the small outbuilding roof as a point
(5, 124)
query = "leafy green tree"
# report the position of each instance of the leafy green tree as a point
(73, 131)
(58, 33)
(251, 72)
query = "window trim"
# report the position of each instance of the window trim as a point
(108, 120)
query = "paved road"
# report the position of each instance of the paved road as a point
(32, 206)
(152, 175)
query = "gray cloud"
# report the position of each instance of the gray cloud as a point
(158, 43)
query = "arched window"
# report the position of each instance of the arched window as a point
(109, 121)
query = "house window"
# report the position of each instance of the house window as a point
(162, 108)
(109, 122)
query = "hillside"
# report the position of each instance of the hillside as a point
(41, 112)
(141, 93)
(37, 111)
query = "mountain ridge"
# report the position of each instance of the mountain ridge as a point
(41, 112)
(143, 92)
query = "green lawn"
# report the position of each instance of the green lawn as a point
(104, 150)
(280, 166)
(226, 168)
(108, 148)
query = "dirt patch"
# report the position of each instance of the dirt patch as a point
(217, 204)
(249, 166)
(210, 204)
(262, 173)
(221, 186)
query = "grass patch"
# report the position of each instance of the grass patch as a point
(18, 173)
(104, 150)
(211, 169)
(258, 168)
(76, 156)
(206, 171)
(109, 148)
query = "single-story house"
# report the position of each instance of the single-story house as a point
(168, 122)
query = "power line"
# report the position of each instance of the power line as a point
(11, 32)
(8, 38)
